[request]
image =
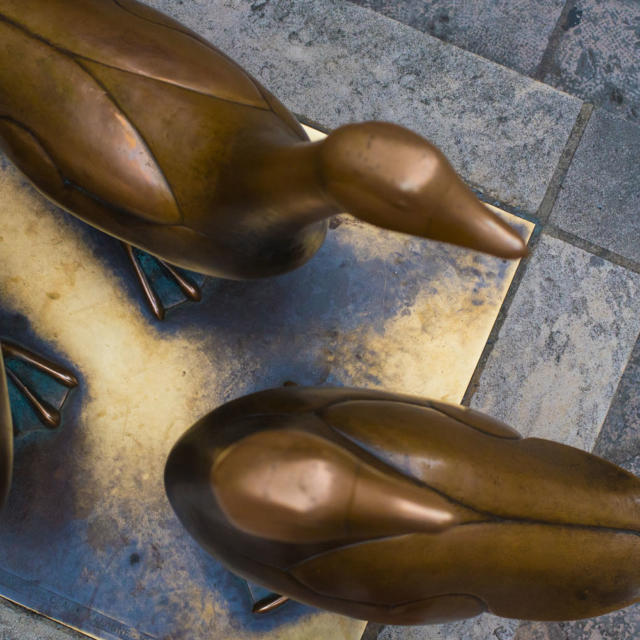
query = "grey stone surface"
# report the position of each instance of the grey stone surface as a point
(600, 196)
(619, 440)
(563, 348)
(597, 55)
(514, 33)
(17, 623)
(334, 62)
(485, 627)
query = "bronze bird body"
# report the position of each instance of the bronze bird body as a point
(141, 128)
(406, 511)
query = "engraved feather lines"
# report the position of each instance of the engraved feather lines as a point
(126, 138)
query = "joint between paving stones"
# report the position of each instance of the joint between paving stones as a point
(372, 631)
(500, 319)
(560, 172)
(546, 63)
(606, 254)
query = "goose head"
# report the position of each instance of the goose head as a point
(393, 178)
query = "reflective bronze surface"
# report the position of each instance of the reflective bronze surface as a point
(405, 511)
(144, 130)
(6, 437)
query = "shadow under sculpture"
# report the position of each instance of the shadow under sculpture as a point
(143, 129)
(401, 510)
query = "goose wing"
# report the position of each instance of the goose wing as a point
(50, 101)
(132, 37)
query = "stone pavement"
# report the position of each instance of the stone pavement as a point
(537, 103)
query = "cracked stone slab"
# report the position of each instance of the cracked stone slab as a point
(598, 55)
(506, 31)
(334, 62)
(620, 625)
(482, 628)
(600, 196)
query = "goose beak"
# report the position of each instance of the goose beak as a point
(460, 218)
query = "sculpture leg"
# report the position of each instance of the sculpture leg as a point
(46, 413)
(189, 289)
(269, 604)
(29, 155)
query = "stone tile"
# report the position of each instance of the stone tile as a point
(485, 627)
(600, 196)
(509, 32)
(598, 55)
(564, 345)
(17, 623)
(619, 439)
(620, 625)
(334, 62)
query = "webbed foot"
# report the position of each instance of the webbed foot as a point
(35, 377)
(159, 281)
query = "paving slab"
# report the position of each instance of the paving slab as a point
(597, 55)
(334, 62)
(509, 32)
(600, 196)
(17, 623)
(563, 348)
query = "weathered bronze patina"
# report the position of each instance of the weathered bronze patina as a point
(141, 128)
(6, 437)
(405, 511)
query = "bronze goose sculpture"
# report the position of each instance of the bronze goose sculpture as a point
(141, 128)
(401, 510)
